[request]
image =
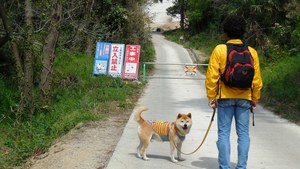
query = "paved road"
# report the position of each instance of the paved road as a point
(275, 143)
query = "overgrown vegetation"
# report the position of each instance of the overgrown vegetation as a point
(46, 64)
(282, 87)
(78, 97)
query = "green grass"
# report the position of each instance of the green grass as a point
(281, 87)
(8, 96)
(201, 41)
(78, 97)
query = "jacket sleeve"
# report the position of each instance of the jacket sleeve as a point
(257, 81)
(213, 75)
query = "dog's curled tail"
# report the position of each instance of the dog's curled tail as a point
(138, 113)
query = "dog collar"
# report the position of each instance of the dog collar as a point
(181, 138)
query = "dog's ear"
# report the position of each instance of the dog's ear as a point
(179, 115)
(190, 115)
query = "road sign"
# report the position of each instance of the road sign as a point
(190, 69)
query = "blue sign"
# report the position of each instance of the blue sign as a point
(101, 58)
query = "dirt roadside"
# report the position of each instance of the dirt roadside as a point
(87, 146)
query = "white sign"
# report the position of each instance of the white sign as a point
(116, 60)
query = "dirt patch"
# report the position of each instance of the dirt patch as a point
(164, 26)
(87, 146)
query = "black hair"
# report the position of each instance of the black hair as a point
(234, 26)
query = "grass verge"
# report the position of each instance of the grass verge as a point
(78, 97)
(281, 90)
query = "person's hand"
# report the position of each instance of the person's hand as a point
(212, 104)
(253, 104)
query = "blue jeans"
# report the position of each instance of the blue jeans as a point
(240, 110)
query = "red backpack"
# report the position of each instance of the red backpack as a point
(239, 70)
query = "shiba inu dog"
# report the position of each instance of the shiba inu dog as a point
(174, 132)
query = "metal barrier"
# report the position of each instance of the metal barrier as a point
(187, 67)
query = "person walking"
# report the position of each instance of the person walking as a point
(232, 101)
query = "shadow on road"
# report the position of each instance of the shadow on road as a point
(208, 163)
(152, 156)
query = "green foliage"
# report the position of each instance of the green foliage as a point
(295, 38)
(116, 18)
(202, 41)
(174, 35)
(148, 54)
(198, 12)
(261, 17)
(175, 9)
(79, 97)
(281, 87)
(8, 96)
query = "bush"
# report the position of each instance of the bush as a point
(281, 87)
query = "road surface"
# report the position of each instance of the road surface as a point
(275, 142)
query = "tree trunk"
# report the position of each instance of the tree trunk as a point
(24, 71)
(182, 13)
(29, 59)
(90, 40)
(49, 55)
(89, 46)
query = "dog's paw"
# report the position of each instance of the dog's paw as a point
(181, 159)
(146, 158)
(174, 160)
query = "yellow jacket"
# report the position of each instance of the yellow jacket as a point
(214, 86)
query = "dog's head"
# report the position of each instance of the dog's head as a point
(184, 122)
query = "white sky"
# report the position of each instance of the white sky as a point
(159, 13)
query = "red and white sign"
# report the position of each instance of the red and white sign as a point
(190, 69)
(131, 64)
(116, 60)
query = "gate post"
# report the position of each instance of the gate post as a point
(144, 71)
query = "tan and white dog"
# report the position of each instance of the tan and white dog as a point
(174, 132)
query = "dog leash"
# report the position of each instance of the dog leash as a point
(252, 116)
(204, 138)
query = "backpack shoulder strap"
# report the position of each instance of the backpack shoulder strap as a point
(229, 48)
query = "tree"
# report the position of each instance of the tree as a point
(48, 54)
(34, 30)
(23, 56)
(179, 8)
(260, 16)
(198, 13)
(29, 58)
